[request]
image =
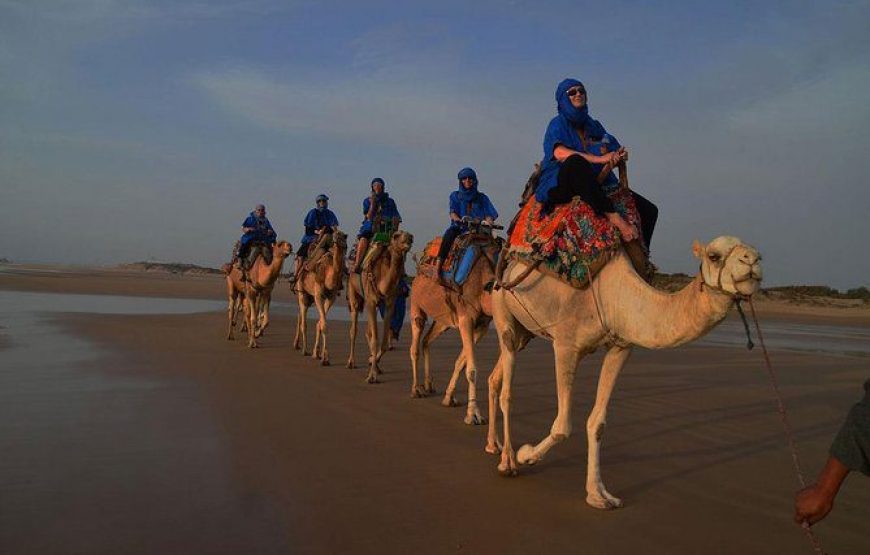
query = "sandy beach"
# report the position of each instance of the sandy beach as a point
(133, 432)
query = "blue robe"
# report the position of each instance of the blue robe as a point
(261, 234)
(480, 207)
(388, 212)
(315, 220)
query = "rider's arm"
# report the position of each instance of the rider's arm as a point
(562, 153)
(455, 208)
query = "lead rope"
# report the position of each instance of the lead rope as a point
(785, 422)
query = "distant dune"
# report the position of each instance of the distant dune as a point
(169, 267)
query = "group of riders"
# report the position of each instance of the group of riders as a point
(579, 155)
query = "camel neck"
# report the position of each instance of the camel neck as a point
(645, 316)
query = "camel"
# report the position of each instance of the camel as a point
(320, 285)
(377, 283)
(616, 311)
(255, 295)
(469, 311)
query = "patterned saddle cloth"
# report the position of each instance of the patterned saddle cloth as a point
(464, 253)
(572, 242)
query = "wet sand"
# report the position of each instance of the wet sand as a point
(152, 434)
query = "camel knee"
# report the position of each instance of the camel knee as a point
(561, 431)
(471, 374)
(420, 322)
(595, 428)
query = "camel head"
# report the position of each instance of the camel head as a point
(339, 238)
(401, 242)
(282, 249)
(730, 265)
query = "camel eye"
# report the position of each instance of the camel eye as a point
(713, 257)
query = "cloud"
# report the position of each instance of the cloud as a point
(393, 113)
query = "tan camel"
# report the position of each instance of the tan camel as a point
(377, 283)
(255, 295)
(618, 310)
(319, 285)
(469, 311)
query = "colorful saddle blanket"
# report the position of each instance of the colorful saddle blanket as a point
(461, 259)
(571, 242)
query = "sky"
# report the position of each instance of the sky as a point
(148, 129)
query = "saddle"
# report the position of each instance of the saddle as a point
(464, 254)
(376, 247)
(571, 242)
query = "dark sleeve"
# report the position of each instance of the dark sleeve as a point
(852, 444)
(489, 210)
(249, 222)
(310, 218)
(332, 219)
(455, 207)
(394, 212)
(366, 203)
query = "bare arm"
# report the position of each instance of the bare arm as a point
(562, 152)
(814, 502)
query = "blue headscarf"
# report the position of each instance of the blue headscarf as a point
(467, 195)
(577, 117)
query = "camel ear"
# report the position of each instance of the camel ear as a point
(698, 249)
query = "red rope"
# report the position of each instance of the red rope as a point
(786, 427)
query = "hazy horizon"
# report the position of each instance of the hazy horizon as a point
(136, 129)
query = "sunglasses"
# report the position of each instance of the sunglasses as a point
(575, 92)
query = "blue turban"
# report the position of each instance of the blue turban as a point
(578, 117)
(467, 195)
(379, 180)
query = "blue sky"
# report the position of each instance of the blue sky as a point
(133, 129)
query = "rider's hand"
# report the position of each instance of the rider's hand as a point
(623, 154)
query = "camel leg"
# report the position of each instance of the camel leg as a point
(322, 303)
(508, 464)
(389, 309)
(434, 333)
(301, 342)
(567, 359)
(354, 325)
(372, 338)
(428, 387)
(418, 323)
(494, 382)
(266, 305)
(297, 340)
(449, 400)
(251, 318)
(596, 494)
(231, 316)
(471, 334)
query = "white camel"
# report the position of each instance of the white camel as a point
(616, 311)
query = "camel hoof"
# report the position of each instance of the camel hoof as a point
(449, 401)
(526, 455)
(603, 503)
(507, 471)
(350, 365)
(474, 419)
(417, 393)
(325, 363)
(371, 379)
(492, 449)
